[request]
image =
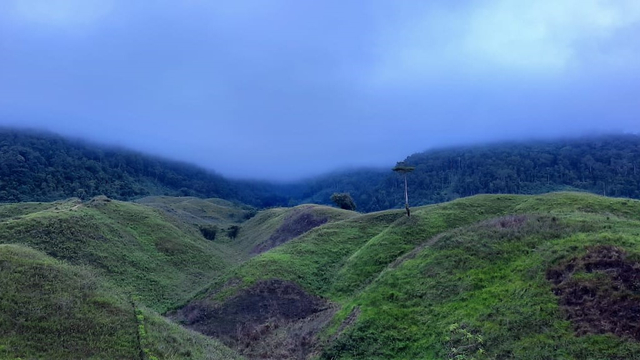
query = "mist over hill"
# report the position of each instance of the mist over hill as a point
(37, 166)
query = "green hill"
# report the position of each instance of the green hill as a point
(553, 276)
(142, 250)
(52, 310)
(94, 257)
(200, 211)
(485, 277)
(273, 227)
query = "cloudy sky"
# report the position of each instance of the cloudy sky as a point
(281, 89)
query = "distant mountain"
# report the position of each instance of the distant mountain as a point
(605, 165)
(38, 166)
(44, 167)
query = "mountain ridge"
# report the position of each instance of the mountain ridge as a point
(44, 167)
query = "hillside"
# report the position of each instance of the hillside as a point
(608, 165)
(37, 166)
(45, 167)
(273, 227)
(492, 276)
(52, 310)
(79, 268)
(200, 211)
(142, 250)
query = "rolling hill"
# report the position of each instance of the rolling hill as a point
(52, 310)
(88, 279)
(139, 248)
(498, 276)
(485, 277)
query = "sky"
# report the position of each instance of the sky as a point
(284, 89)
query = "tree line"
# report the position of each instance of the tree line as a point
(44, 167)
(37, 166)
(606, 165)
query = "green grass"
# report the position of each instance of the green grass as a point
(453, 264)
(259, 228)
(465, 278)
(134, 246)
(52, 310)
(492, 280)
(200, 211)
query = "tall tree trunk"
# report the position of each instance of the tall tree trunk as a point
(406, 196)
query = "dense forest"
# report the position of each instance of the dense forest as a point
(606, 165)
(44, 167)
(37, 166)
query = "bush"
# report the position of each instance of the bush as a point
(343, 201)
(209, 231)
(233, 231)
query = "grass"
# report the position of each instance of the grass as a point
(465, 279)
(134, 246)
(477, 264)
(261, 227)
(200, 211)
(52, 310)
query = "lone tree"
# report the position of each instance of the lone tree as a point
(404, 169)
(344, 201)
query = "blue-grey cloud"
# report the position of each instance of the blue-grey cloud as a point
(283, 89)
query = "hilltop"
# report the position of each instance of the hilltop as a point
(491, 276)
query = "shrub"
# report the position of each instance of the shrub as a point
(209, 231)
(344, 201)
(233, 231)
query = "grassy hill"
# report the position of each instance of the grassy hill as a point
(273, 227)
(198, 211)
(553, 276)
(52, 310)
(81, 277)
(494, 276)
(140, 249)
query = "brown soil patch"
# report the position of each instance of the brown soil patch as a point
(600, 292)
(274, 319)
(295, 224)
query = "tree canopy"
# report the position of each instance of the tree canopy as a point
(45, 167)
(343, 201)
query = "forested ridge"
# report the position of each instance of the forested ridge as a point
(38, 166)
(44, 167)
(606, 165)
